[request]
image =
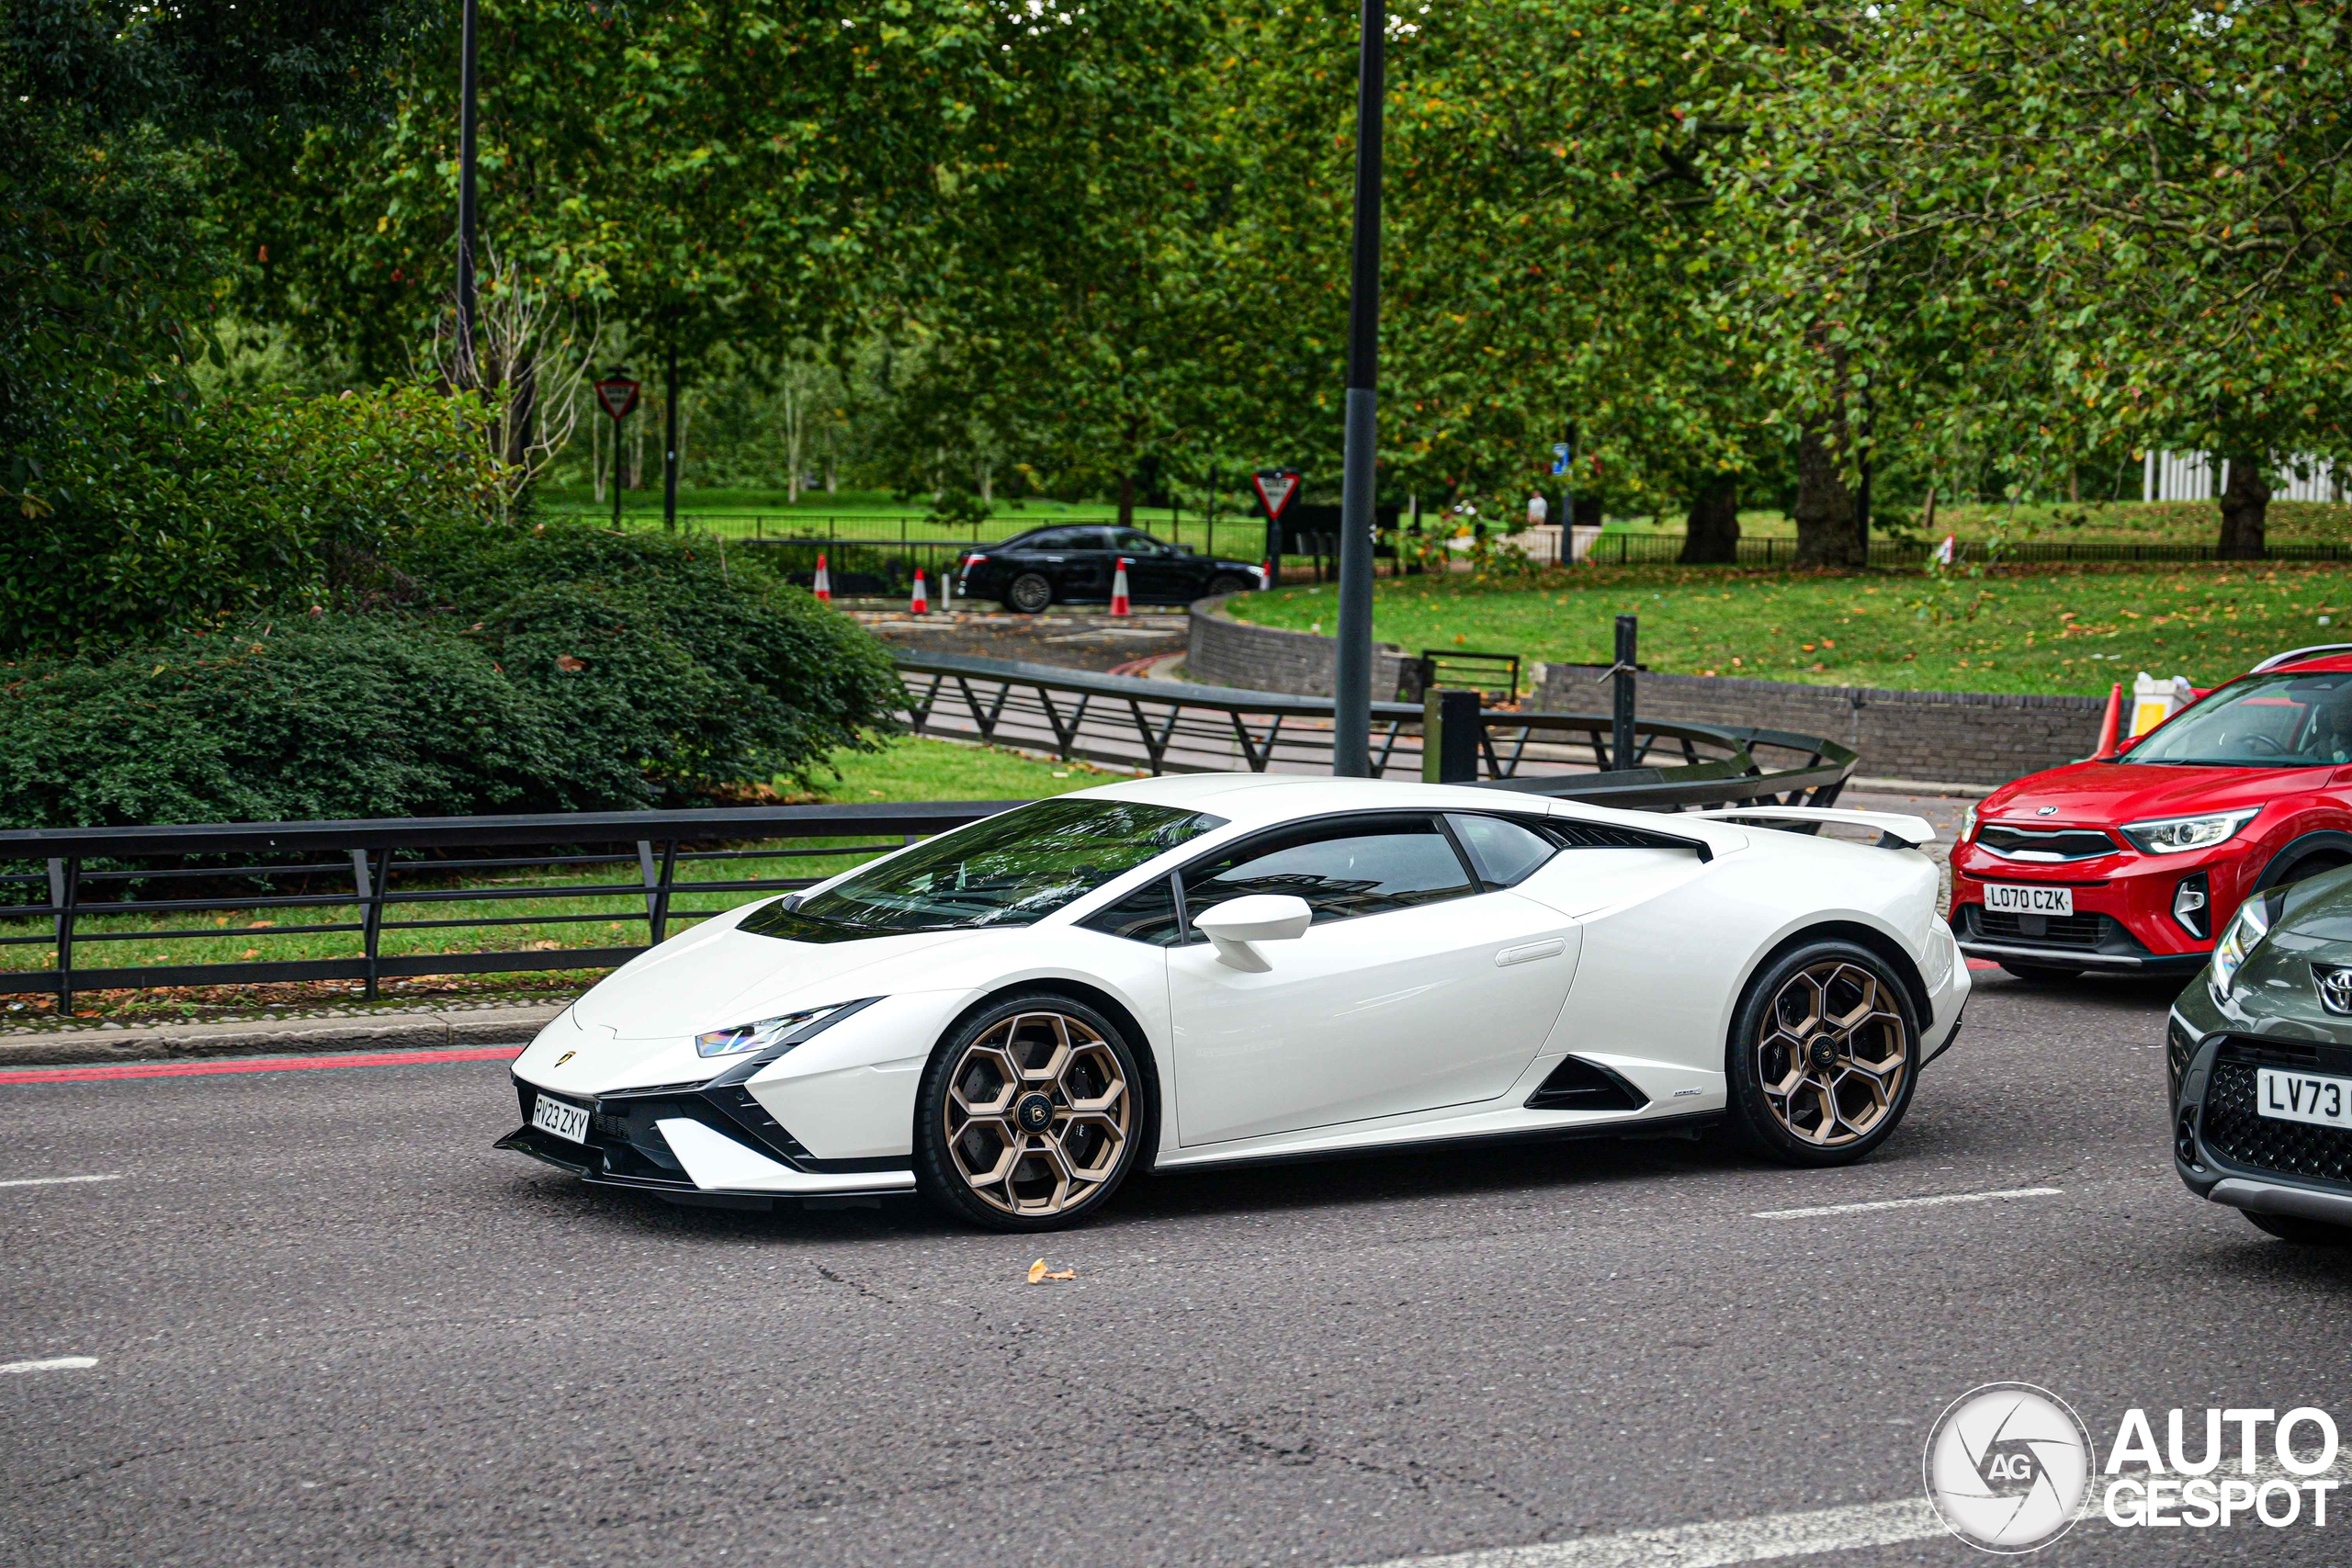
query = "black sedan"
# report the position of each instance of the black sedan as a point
(2260, 1057)
(1074, 564)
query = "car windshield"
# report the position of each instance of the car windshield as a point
(1010, 870)
(2280, 720)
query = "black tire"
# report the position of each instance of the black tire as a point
(1061, 1061)
(1793, 1104)
(2042, 971)
(2302, 1232)
(1225, 583)
(1028, 594)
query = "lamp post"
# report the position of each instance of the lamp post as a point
(1352, 686)
(466, 373)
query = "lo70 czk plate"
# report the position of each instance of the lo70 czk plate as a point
(2021, 898)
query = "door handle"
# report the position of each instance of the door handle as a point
(1529, 951)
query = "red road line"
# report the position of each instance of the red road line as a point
(257, 1064)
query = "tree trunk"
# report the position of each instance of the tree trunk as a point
(1127, 500)
(1825, 513)
(2246, 503)
(522, 411)
(1711, 536)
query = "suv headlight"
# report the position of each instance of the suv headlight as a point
(2245, 934)
(759, 1036)
(2172, 835)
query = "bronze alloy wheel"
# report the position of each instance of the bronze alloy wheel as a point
(1834, 1054)
(1037, 1114)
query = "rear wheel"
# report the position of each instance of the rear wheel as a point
(2040, 971)
(2303, 1232)
(1028, 594)
(1823, 1056)
(1028, 1119)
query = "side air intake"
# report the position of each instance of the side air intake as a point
(1580, 1085)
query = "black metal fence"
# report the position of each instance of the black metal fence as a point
(390, 892)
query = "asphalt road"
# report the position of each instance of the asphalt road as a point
(330, 1324)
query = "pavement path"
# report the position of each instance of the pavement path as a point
(309, 1315)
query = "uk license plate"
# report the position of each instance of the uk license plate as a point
(567, 1122)
(2303, 1097)
(2020, 899)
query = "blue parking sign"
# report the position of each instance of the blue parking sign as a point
(1560, 457)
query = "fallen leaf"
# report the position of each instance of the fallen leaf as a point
(1828, 642)
(1038, 1275)
(1036, 1270)
(1808, 648)
(260, 925)
(568, 664)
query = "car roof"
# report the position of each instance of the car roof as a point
(1263, 799)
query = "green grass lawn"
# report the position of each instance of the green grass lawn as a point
(905, 769)
(2060, 522)
(2025, 629)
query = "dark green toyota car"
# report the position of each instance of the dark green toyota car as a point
(2259, 1050)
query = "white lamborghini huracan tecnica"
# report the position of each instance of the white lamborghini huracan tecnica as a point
(1013, 1017)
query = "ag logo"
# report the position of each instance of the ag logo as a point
(2008, 1467)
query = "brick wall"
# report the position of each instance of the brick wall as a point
(1222, 651)
(1942, 737)
(1984, 738)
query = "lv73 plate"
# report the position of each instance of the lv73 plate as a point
(2020, 899)
(2302, 1097)
(566, 1121)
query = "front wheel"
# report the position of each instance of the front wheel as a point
(1029, 594)
(1027, 1119)
(1824, 1052)
(1226, 583)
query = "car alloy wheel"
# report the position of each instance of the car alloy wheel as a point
(1029, 593)
(1031, 1113)
(1825, 1055)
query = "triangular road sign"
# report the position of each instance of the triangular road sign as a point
(618, 396)
(1275, 487)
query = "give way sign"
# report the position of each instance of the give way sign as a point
(1275, 487)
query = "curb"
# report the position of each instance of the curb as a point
(274, 1036)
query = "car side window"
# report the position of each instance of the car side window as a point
(1503, 852)
(1056, 539)
(1341, 869)
(1147, 914)
(1135, 544)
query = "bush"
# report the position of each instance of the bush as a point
(169, 515)
(560, 668)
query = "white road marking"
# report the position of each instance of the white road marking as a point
(54, 1181)
(54, 1364)
(1907, 1203)
(1758, 1540)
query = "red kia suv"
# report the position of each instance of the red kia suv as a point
(2121, 863)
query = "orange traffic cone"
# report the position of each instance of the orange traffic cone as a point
(1119, 589)
(921, 603)
(824, 583)
(2110, 724)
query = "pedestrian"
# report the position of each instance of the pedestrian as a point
(1538, 510)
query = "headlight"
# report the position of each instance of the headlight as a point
(1967, 823)
(761, 1035)
(2246, 934)
(2171, 835)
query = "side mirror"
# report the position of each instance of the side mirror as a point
(1233, 925)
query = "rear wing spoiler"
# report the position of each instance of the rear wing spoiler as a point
(1896, 829)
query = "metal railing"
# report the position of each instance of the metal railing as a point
(1163, 726)
(401, 883)
(1666, 549)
